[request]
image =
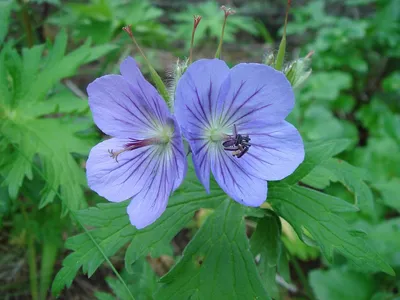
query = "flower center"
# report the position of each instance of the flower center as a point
(163, 137)
(237, 143)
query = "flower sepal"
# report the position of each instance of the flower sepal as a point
(298, 71)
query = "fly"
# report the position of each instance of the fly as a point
(238, 143)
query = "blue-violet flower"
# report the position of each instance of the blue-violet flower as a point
(234, 121)
(144, 160)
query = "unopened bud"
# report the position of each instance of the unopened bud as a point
(228, 11)
(298, 70)
(179, 69)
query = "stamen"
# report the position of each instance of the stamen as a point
(228, 11)
(239, 144)
(135, 144)
(196, 21)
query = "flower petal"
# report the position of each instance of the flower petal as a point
(130, 71)
(276, 150)
(118, 181)
(254, 91)
(199, 146)
(197, 94)
(148, 205)
(235, 181)
(135, 170)
(126, 106)
(178, 159)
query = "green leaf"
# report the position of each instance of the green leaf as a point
(390, 192)
(217, 263)
(313, 216)
(5, 204)
(5, 11)
(113, 230)
(316, 153)
(326, 86)
(386, 238)
(341, 284)
(351, 177)
(38, 136)
(26, 81)
(142, 283)
(63, 101)
(266, 242)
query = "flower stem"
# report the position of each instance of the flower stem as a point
(49, 256)
(282, 46)
(33, 274)
(154, 75)
(228, 11)
(27, 24)
(196, 21)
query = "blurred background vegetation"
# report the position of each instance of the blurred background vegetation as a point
(49, 52)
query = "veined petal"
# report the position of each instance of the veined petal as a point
(178, 159)
(199, 146)
(119, 180)
(197, 93)
(130, 71)
(276, 150)
(117, 110)
(136, 171)
(151, 201)
(254, 92)
(236, 181)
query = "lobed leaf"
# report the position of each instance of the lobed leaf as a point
(341, 284)
(312, 215)
(353, 178)
(113, 230)
(217, 263)
(316, 153)
(266, 242)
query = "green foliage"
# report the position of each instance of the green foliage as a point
(31, 130)
(103, 20)
(142, 282)
(113, 230)
(5, 11)
(334, 170)
(213, 264)
(221, 244)
(211, 24)
(341, 284)
(266, 242)
(343, 207)
(320, 225)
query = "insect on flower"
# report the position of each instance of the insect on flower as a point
(234, 121)
(237, 143)
(144, 160)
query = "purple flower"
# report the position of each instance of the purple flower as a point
(145, 159)
(234, 120)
